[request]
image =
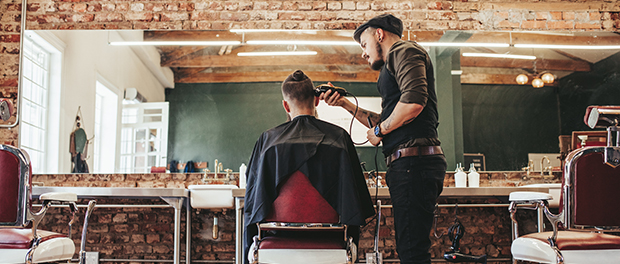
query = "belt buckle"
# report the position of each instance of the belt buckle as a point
(397, 154)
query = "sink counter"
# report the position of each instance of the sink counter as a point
(116, 192)
(175, 197)
(451, 191)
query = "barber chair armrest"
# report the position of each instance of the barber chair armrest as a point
(527, 200)
(62, 197)
(48, 199)
(529, 197)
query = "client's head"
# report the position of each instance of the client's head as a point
(298, 95)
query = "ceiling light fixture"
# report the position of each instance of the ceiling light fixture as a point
(547, 77)
(537, 83)
(539, 79)
(522, 79)
(277, 53)
(549, 46)
(302, 42)
(464, 44)
(174, 43)
(495, 55)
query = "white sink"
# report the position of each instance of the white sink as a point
(554, 190)
(212, 196)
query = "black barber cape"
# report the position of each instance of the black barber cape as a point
(320, 150)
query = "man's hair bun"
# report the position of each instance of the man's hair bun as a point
(299, 76)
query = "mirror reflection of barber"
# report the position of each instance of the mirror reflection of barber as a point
(407, 127)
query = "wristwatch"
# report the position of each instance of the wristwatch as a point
(378, 131)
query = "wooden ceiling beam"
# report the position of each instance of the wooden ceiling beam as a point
(504, 79)
(178, 53)
(319, 76)
(316, 76)
(541, 64)
(234, 60)
(542, 38)
(421, 36)
(191, 35)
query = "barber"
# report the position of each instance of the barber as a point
(407, 126)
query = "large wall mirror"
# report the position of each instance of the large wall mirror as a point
(216, 91)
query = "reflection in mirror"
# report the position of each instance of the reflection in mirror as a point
(221, 95)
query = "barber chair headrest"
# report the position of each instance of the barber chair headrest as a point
(6, 109)
(602, 116)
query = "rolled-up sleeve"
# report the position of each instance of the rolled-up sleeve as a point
(409, 67)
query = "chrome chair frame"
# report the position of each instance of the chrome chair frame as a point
(605, 117)
(26, 215)
(303, 227)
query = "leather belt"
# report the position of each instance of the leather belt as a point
(413, 151)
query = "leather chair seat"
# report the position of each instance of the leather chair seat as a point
(573, 240)
(15, 238)
(275, 242)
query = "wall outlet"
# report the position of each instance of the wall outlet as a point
(91, 258)
(374, 258)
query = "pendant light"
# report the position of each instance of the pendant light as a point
(538, 83)
(547, 77)
(522, 79)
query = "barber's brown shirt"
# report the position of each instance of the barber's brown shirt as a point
(408, 62)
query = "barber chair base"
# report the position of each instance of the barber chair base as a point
(56, 249)
(534, 250)
(307, 256)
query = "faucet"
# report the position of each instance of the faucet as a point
(542, 167)
(206, 175)
(217, 168)
(229, 176)
(530, 166)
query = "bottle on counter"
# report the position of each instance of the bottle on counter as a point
(460, 177)
(242, 170)
(473, 177)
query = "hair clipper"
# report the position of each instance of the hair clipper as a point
(326, 87)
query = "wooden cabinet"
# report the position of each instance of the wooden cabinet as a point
(591, 138)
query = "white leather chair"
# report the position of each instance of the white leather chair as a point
(589, 204)
(20, 240)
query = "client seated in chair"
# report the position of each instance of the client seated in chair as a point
(305, 168)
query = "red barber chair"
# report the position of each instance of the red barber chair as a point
(589, 204)
(20, 241)
(301, 228)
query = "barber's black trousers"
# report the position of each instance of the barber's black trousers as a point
(415, 184)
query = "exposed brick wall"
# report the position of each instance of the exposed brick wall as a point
(9, 61)
(417, 15)
(573, 15)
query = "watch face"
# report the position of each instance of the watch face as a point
(377, 131)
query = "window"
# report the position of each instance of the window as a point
(106, 106)
(144, 137)
(40, 83)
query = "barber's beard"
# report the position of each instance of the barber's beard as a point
(376, 65)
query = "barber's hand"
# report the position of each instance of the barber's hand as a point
(334, 99)
(370, 135)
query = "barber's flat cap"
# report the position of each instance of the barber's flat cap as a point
(386, 22)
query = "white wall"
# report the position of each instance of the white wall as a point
(87, 55)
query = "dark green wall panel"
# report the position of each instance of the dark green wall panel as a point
(223, 121)
(507, 122)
